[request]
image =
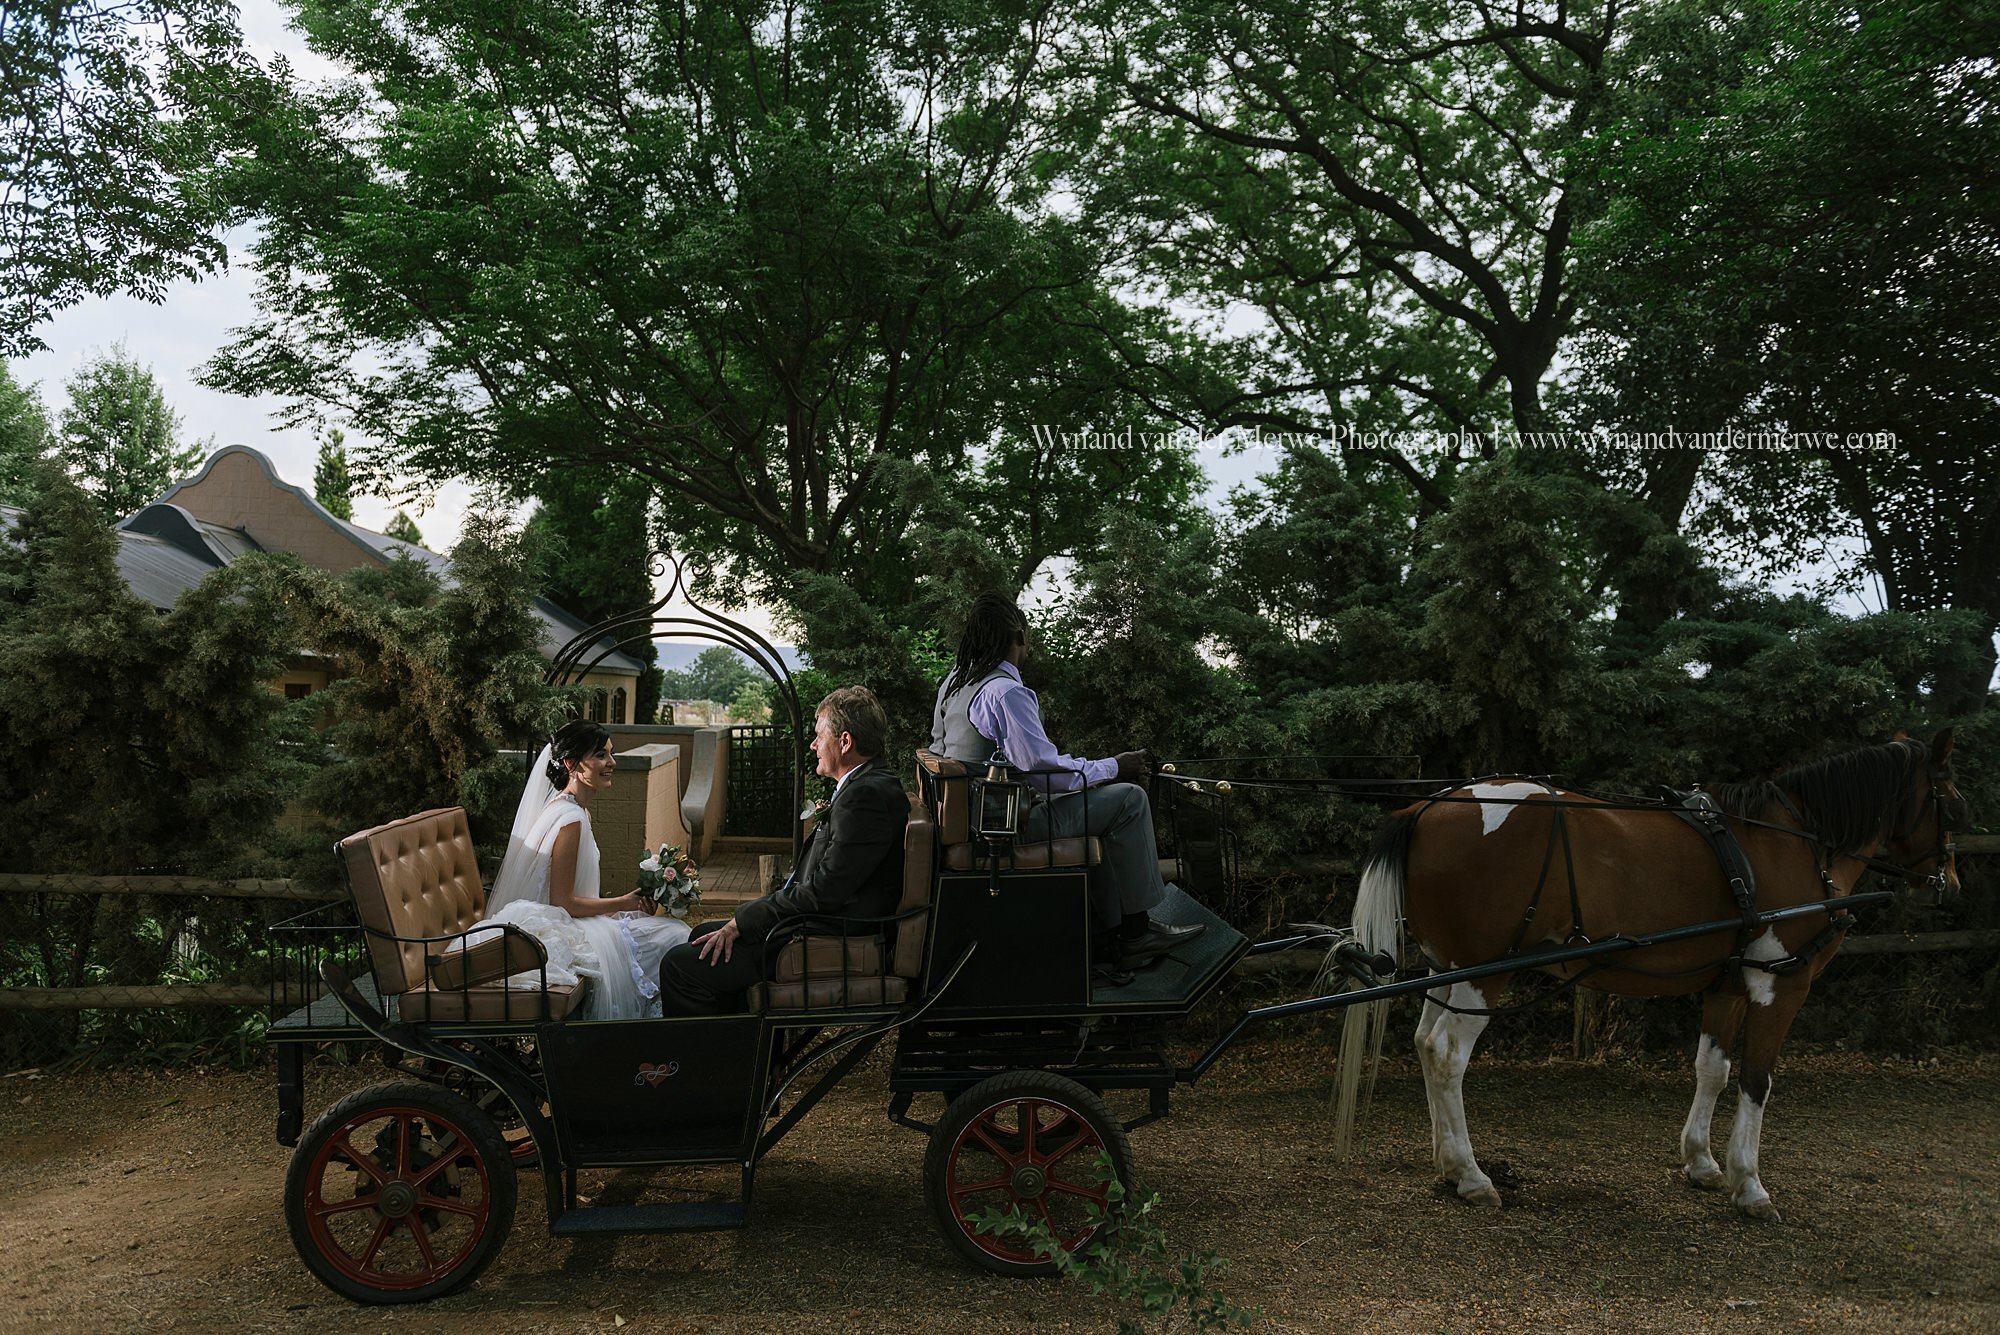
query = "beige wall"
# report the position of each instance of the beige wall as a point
(236, 492)
(609, 682)
(639, 812)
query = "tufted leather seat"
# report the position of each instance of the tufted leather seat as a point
(947, 785)
(418, 878)
(842, 972)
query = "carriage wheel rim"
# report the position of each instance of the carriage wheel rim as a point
(1026, 1175)
(405, 1190)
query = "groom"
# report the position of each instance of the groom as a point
(852, 864)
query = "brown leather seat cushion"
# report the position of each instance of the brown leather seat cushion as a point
(828, 994)
(808, 958)
(418, 878)
(808, 973)
(488, 1004)
(493, 957)
(1081, 852)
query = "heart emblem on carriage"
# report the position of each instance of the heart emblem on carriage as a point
(650, 1074)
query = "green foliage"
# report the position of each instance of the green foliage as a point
(718, 674)
(589, 539)
(1121, 663)
(24, 438)
(431, 680)
(815, 277)
(97, 149)
(404, 529)
(333, 487)
(1796, 231)
(1387, 187)
(117, 436)
(1131, 1259)
(135, 742)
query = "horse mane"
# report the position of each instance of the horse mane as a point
(1842, 798)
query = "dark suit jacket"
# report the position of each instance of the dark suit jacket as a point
(852, 864)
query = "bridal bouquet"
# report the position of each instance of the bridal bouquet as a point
(670, 879)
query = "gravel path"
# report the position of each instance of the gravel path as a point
(132, 1200)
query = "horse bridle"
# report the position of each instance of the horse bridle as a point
(1950, 808)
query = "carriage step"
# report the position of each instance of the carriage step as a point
(679, 1217)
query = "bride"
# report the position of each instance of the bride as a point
(548, 885)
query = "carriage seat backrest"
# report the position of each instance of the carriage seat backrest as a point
(419, 877)
(947, 789)
(832, 972)
(413, 877)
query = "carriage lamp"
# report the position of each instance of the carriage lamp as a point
(998, 802)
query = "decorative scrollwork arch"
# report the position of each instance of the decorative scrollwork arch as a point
(582, 655)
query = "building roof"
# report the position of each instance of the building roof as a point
(166, 549)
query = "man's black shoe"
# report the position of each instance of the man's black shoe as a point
(1184, 932)
(1158, 939)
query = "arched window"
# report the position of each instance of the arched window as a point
(618, 705)
(597, 706)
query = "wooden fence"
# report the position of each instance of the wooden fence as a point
(240, 994)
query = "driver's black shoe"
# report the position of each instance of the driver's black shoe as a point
(1158, 939)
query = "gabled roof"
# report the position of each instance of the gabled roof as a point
(558, 625)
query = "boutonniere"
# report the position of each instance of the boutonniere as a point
(813, 810)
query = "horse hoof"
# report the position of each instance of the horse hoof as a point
(1483, 1196)
(1712, 1179)
(1761, 1209)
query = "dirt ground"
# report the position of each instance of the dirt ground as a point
(147, 1201)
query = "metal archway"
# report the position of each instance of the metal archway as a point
(587, 650)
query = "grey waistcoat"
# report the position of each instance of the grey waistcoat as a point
(952, 733)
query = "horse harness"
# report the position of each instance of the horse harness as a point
(1699, 811)
(1701, 814)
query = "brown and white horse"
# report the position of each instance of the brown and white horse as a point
(1496, 867)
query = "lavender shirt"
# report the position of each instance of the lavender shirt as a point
(1009, 713)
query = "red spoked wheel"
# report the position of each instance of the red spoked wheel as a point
(400, 1193)
(1030, 1143)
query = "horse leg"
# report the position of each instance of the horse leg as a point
(1721, 1021)
(1769, 1020)
(1427, 1018)
(1444, 1051)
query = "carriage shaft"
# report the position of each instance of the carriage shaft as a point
(1613, 945)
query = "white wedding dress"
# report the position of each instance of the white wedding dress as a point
(618, 952)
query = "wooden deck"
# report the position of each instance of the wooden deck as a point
(729, 878)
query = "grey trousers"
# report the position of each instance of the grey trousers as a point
(1119, 814)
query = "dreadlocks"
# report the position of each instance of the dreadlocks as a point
(990, 628)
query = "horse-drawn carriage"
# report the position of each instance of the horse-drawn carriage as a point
(982, 980)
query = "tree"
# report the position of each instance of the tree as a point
(24, 438)
(787, 264)
(404, 529)
(589, 535)
(97, 147)
(1387, 187)
(430, 681)
(135, 742)
(117, 435)
(718, 674)
(1800, 237)
(333, 488)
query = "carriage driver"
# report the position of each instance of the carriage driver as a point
(983, 707)
(852, 865)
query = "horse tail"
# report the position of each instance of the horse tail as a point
(1378, 924)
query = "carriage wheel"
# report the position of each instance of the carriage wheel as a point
(1029, 1142)
(400, 1193)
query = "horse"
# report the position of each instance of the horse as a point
(1499, 867)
